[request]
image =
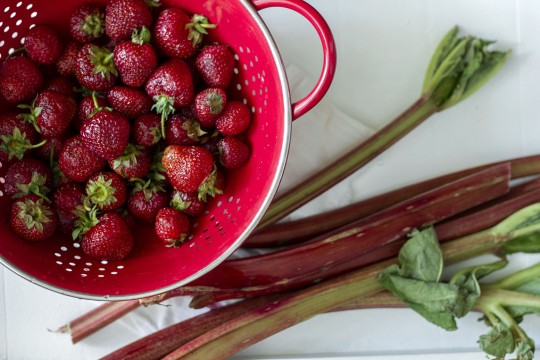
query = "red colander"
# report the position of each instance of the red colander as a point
(260, 81)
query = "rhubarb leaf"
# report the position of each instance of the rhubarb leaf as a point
(421, 258)
(459, 67)
(498, 341)
(415, 280)
(467, 281)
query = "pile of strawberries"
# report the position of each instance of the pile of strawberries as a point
(127, 120)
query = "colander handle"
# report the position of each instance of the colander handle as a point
(328, 46)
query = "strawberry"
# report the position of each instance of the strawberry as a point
(16, 136)
(135, 60)
(87, 23)
(95, 69)
(43, 45)
(216, 65)
(20, 79)
(62, 84)
(146, 200)
(77, 162)
(32, 218)
(51, 113)
(134, 163)
(233, 152)
(191, 168)
(50, 149)
(178, 35)
(170, 86)
(106, 134)
(188, 203)
(182, 131)
(234, 119)
(65, 65)
(106, 190)
(66, 199)
(146, 130)
(122, 16)
(28, 176)
(88, 106)
(172, 226)
(129, 102)
(208, 105)
(109, 239)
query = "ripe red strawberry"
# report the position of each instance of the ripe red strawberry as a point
(106, 190)
(146, 130)
(65, 65)
(135, 60)
(209, 103)
(191, 168)
(20, 79)
(182, 131)
(95, 68)
(234, 119)
(146, 200)
(216, 65)
(87, 23)
(66, 199)
(77, 162)
(51, 113)
(233, 152)
(171, 87)
(62, 84)
(172, 226)
(188, 203)
(17, 136)
(43, 45)
(28, 176)
(109, 239)
(134, 163)
(88, 106)
(122, 16)
(106, 134)
(50, 149)
(177, 34)
(129, 102)
(32, 218)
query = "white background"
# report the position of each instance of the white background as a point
(383, 49)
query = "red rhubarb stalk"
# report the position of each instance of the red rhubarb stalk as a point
(294, 232)
(161, 343)
(458, 67)
(98, 318)
(340, 250)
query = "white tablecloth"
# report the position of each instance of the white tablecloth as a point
(383, 48)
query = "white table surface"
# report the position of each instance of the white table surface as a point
(383, 48)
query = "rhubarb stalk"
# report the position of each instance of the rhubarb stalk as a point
(519, 232)
(294, 232)
(458, 67)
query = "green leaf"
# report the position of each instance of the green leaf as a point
(420, 257)
(459, 67)
(499, 341)
(434, 301)
(467, 281)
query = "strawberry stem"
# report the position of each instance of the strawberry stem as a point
(100, 192)
(102, 59)
(164, 105)
(16, 144)
(93, 24)
(197, 28)
(31, 117)
(142, 37)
